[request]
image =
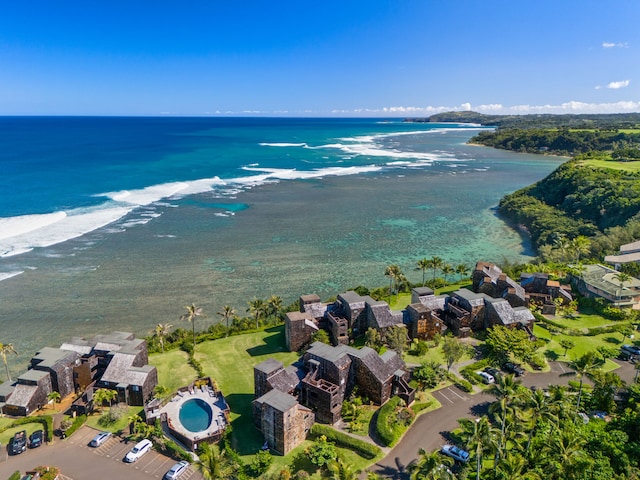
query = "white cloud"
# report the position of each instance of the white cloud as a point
(498, 109)
(620, 84)
(615, 45)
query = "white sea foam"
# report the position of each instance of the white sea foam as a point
(283, 144)
(69, 225)
(6, 275)
(24, 233)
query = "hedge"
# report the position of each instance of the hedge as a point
(77, 423)
(362, 448)
(15, 476)
(45, 420)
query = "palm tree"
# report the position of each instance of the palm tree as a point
(54, 397)
(431, 466)
(447, 270)
(4, 349)
(539, 409)
(622, 278)
(585, 365)
(478, 434)
(102, 395)
(160, 332)
(578, 246)
(423, 264)
(394, 273)
(341, 470)
(274, 304)
(213, 463)
(256, 308)
(506, 389)
(568, 449)
(227, 313)
(435, 263)
(462, 270)
(192, 313)
(513, 467)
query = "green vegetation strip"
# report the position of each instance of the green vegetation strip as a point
(362, 448)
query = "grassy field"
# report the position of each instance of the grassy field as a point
(6, 436)
(174, 370)
(228, 361)
(626, 166)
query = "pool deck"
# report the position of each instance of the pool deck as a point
(216, 402)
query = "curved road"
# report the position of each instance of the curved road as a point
(430, 430)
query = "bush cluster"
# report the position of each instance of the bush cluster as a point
(393, 419)
(362, 448)
(76, 424)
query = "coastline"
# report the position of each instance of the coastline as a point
(293, 237)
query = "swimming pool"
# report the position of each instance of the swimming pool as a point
(195, 415)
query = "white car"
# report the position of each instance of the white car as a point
(177, 470)
(486, 377)
(99, 439)
(136, 452)
(456, 453)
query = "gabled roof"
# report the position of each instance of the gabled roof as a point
(22, 394)
(121, 371)
(382, 366)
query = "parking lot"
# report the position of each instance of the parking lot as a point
(77, 460)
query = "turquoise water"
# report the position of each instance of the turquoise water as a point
(219, 214)
(195, 415)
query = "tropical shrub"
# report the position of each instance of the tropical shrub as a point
(362, 448)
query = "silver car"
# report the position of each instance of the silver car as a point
(99, 439)
(177, 470)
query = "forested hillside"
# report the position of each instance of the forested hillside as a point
(576, 199)
(606, 121)
(624, 145)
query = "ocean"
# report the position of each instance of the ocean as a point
(111, 223)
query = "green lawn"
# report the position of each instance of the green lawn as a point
(122, 424)
(583, 344)
(582, 320)
(627, 166)
(174, 370)
(6, 436)
(230, 362)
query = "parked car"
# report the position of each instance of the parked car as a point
(36, 438)
(486, 378)
(138, 451)
(177, 470)
(514, 368)
(631, 349)
(456, 453)
(494, 372)
(19, 442)
(99, 439)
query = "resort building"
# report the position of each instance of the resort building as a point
(603, 282)
(629, 253)
(117, 361)
(316, 389)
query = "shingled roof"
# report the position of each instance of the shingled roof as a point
(382, 367)
(120, 370)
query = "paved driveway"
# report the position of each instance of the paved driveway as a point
(431, 429)
(78, 461)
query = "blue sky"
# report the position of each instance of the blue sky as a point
(328, 58)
